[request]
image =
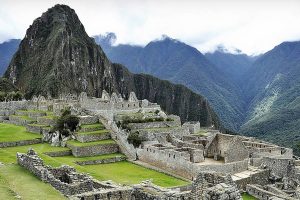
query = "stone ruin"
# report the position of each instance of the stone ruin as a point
(264, 170)
(74, 185)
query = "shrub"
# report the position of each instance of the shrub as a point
(66, 123)
(135, 139)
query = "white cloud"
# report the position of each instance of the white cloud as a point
(254, 26)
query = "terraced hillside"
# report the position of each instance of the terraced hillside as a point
(104, 162)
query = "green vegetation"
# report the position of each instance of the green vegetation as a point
(135, 139)
(85, 144)
(129, 173)
(17, 181)
(97, 125)
(99, 132)
(11, 96)
(10, 132)
(33, 111)
(246, 196)
(66, 123)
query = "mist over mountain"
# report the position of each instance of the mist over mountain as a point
(57, 56)
(178, 62)
(7, 50)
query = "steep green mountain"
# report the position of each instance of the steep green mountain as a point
(6, 86)
(7, 50)
(177, 62)
(232, 65)
(273, 88)
(57, 56)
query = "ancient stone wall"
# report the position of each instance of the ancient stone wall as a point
(13, 105)
(280, 167)
(20, 143)
(82, 151)
(179, 162)
(88, 119)
(45, 120)
(261, 178)
(212, 186)
(102, 161)
(227, 147)
(162, 124)
(59, 153)
(92, 137)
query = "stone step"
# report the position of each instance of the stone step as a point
(31, 113)
(35, 128)
(48, 120)
(93, 135)
(21, 120)
(91, 127)
(101, 147)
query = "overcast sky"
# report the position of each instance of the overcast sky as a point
(253, 26)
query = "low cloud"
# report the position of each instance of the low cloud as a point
(253, 26)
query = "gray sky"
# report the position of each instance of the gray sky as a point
(254, 26)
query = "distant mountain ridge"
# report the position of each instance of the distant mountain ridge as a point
(7, 50)
(57, 56)
(178, 62)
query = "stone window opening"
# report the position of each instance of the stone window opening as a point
(174, 156)
(147, 149)
(169, 155)
(128, 105)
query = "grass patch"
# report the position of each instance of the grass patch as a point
(247, 196)
(11, 132)
(81, 144)
(99, 132)
(33, 111)
(121, 172)
(49, 117)
(92, 126)
(128, 173)
(39, 125)
(26, 185)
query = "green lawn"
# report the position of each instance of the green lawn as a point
(120, 172)
(246, 196)
(17, 181)
(11, 132)
(85, 144)
(92, 125)
(93, 132)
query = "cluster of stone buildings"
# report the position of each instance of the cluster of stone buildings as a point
(219, 165)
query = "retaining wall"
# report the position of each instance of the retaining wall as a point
(99, 149)
(20, 143)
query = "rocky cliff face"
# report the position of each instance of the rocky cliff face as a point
(57, 56)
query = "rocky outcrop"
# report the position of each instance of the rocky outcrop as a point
(57, 56)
